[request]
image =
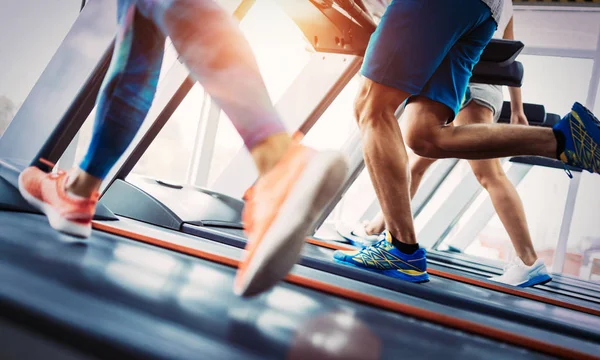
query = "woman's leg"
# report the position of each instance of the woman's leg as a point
(503, 194)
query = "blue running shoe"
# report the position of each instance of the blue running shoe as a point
(582, 139)
(384, 258)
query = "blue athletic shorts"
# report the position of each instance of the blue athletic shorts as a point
(429, 47)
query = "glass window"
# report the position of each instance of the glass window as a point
(31, 31)
(228, 143)
(442, 193)
(168, 157)
(337, 123)
(583, 248)
(281, 56)
(331, 132)
(554, 82)
(558, 29)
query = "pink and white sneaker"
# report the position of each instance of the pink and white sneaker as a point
(47, 193)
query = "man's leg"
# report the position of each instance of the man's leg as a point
(385, 154)
(398, 254)
(418, 166)
(429, 135)
(408, 49)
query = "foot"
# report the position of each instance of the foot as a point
(516, 273)
(356, 234)
(47, 193)
(281, 209)
(581, 130)
(384, 258)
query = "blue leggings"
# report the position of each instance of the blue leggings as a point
(211, 45)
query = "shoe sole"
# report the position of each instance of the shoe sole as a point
(281, 246)
(537, 280)
(354, 240)
(418, 279)
(56, 221)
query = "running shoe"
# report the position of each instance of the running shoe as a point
(47, 193)
(384, 258)
(281, 209)
(516, 273)
(581, 130)
(356, 234)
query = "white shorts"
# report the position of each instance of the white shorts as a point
(490, 96)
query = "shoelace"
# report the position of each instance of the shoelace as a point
(513, 263)
(55, 175)
(379, 244)
(570, 156)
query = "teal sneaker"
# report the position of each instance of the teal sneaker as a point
(384, 258)
(582, 139)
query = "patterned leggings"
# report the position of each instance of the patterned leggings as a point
(210, 44)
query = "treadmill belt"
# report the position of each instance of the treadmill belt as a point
(118, 297)
(445, 291)
(559, 284)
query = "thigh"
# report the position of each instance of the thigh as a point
(137, 58)
(449, 82)
(475, 113)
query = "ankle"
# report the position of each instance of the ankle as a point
(405, 247)
(560, 141)
(82, 184)
(528, 259)
(268, 153)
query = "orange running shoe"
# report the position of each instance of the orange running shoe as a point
(281, 209)
(47, 193)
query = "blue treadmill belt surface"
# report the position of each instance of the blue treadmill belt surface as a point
(450, 292)
(115, 296)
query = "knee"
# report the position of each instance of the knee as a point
(488, 178)
(424, 143)
(370, 111)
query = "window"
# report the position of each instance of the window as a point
(336, 125)
(583, 247)
(558, 29)
(31, 31)
(227, 145)
(281, 56)
(555, 82)
(169, 155)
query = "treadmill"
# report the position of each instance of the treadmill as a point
(142, 289)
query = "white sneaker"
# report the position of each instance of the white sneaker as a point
(356, 234)
(516, 273)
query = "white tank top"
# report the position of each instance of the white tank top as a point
(507, 13)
